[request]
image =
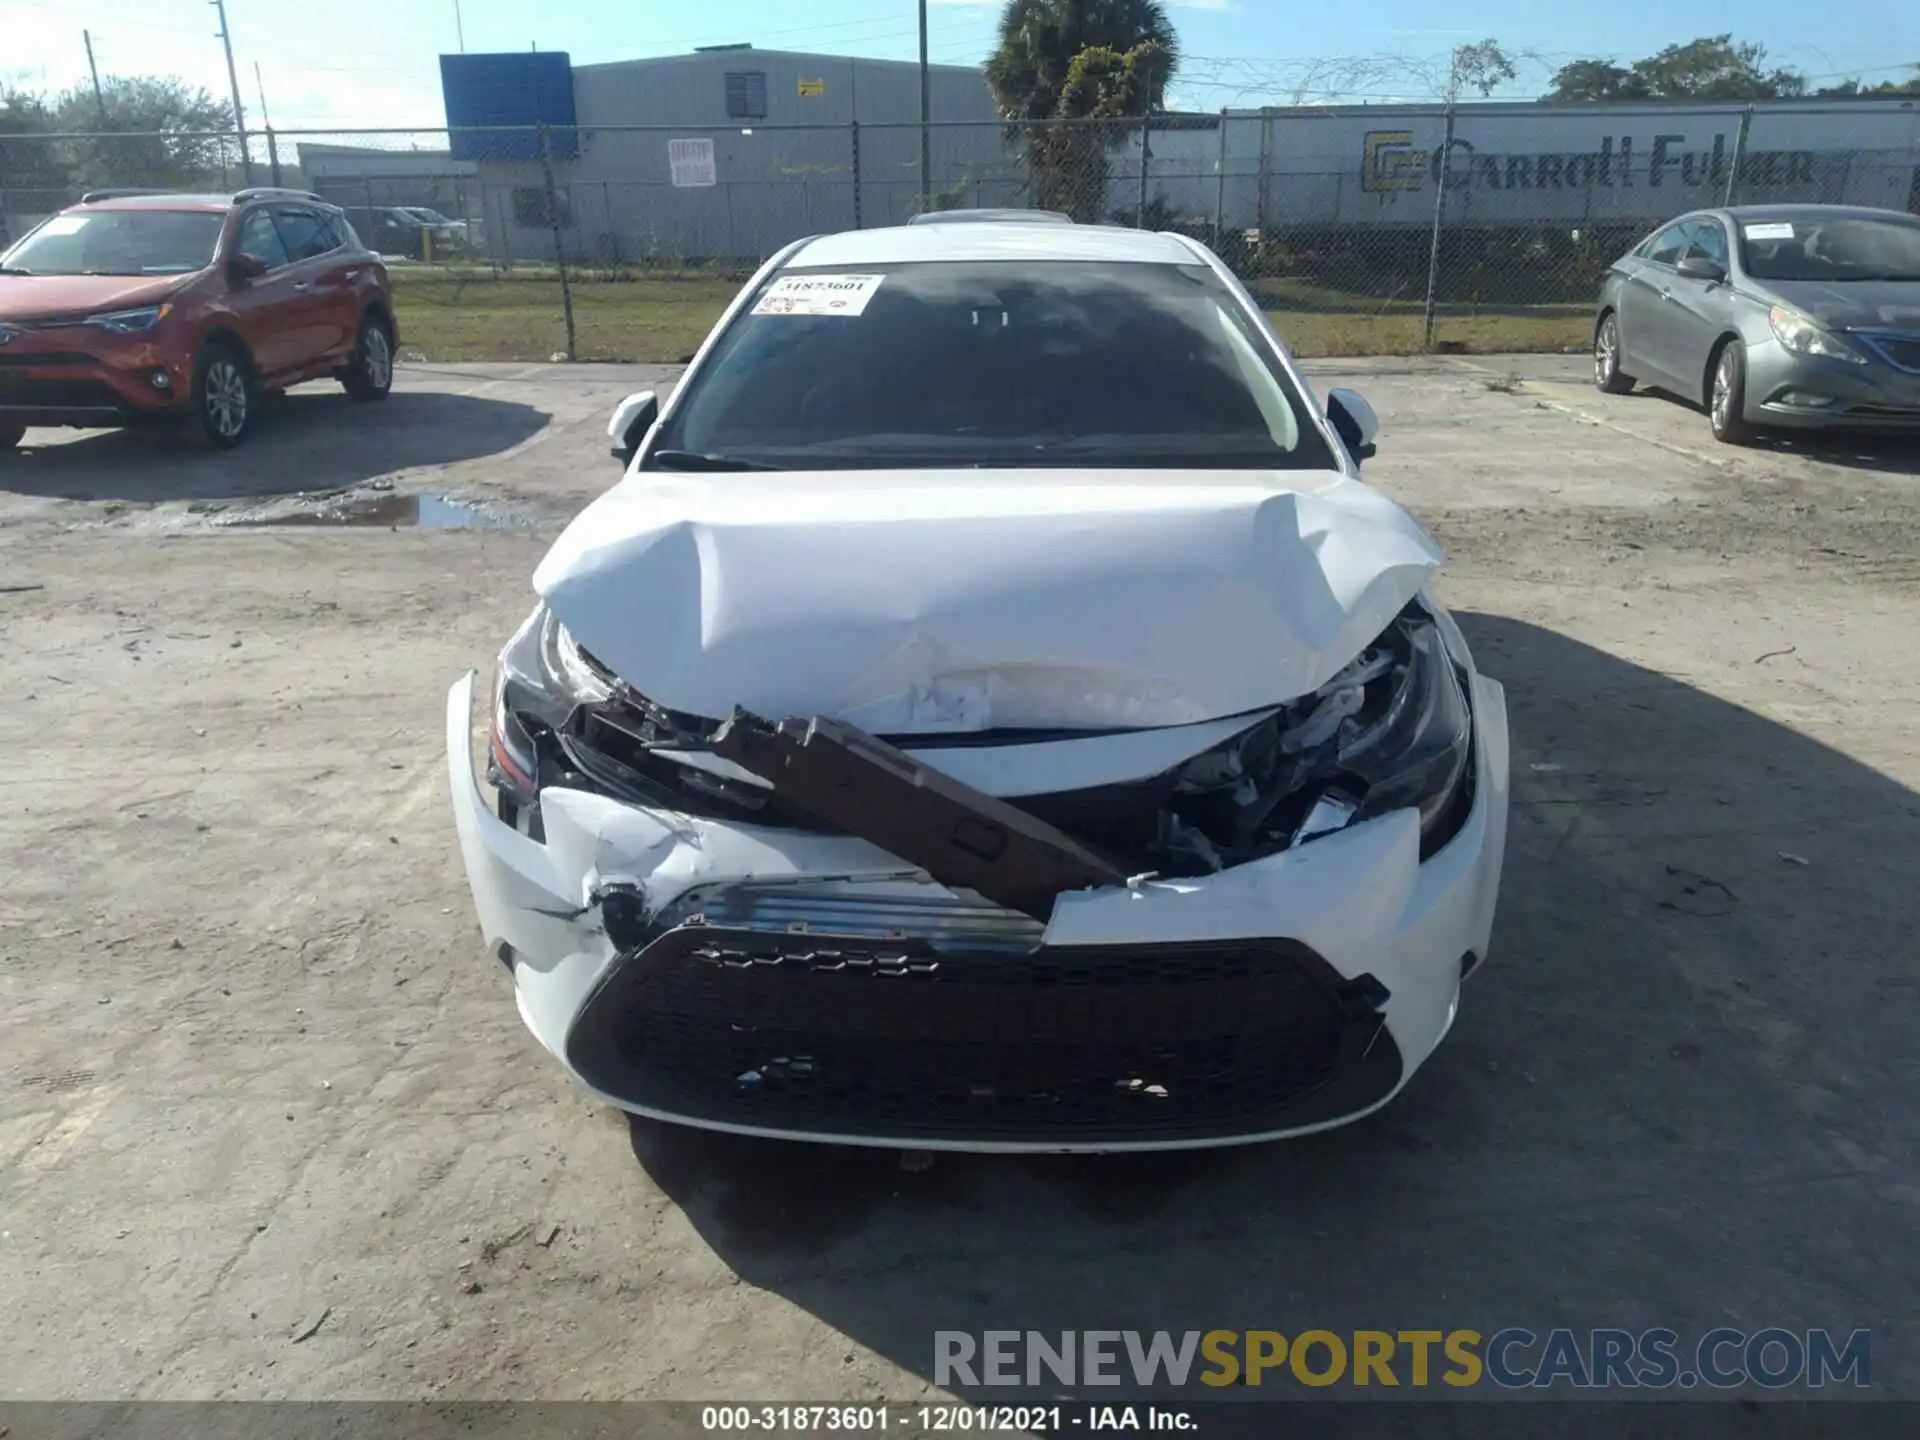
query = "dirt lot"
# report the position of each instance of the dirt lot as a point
(270, 1127)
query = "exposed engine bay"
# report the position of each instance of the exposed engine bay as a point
(1391, 730)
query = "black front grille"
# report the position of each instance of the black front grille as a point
(905, 1040)
(1903, 351)
(57, 394)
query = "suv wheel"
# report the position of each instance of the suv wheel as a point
(10, 435)
(369, 376)
(223, 394)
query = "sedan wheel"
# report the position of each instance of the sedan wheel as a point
(1607, 374)
(1727, 398)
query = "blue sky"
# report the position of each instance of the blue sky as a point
(372, 62)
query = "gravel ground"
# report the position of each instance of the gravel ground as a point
(270, 1128)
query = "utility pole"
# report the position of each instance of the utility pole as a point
(926, 91)
(459, 30)
(1440, 176)
(926, 106)
(233, 80)
(99, 99)
(266, 123)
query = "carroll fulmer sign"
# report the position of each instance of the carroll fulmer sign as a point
(1376, 165)
(1393, 162)
(1523, 162)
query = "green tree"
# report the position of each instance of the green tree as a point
(163, 132)
(1483, 67)
(1596, 80)
(33, 170)
(1714, 67)
(1853, 89)
(1060, 69)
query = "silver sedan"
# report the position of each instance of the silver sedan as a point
(1789, 316)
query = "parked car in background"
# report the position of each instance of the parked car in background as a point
(404, 232)
(133, 307)
(1790, 316)
(441, 224)
(992, 713)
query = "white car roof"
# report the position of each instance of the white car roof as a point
(992, 240)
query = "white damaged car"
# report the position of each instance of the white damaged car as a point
(991, 713)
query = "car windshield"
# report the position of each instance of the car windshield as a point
(1832, 248)
(426, 216)
(1005, 362)
(119, 242)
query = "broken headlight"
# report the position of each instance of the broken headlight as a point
(1391, 731)
(1413, 750)
(562, 718)
(542, 676)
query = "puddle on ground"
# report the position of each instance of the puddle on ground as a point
(378, 509)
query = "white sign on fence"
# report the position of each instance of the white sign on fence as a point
(691, 162)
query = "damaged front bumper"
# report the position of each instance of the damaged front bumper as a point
(780, 982)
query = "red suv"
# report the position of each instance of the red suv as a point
(133, 306)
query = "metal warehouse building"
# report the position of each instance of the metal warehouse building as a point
(728, 152)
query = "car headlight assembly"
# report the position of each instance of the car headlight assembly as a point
(1392, 731)
(561, 718)
(1797, 333)
(542, 677)
(130, 322)
(1414, 750)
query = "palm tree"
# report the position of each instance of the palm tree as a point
(1062, 65)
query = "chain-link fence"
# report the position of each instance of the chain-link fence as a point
(1364, 231)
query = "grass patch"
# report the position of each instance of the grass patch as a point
(451, 316)
(1314, 336)
(1320, 321)
(643, 320)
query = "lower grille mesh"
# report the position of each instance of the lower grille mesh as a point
(894, 1039)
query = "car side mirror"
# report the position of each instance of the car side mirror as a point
(244, 267)
(1698, 267)
(632, 418)
(1354, 421)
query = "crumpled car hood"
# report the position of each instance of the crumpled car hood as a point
(930, 602)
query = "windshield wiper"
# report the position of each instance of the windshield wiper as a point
(695, 460)
(13, 270)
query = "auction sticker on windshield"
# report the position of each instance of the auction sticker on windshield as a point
(1773, 230)
(818, 295)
